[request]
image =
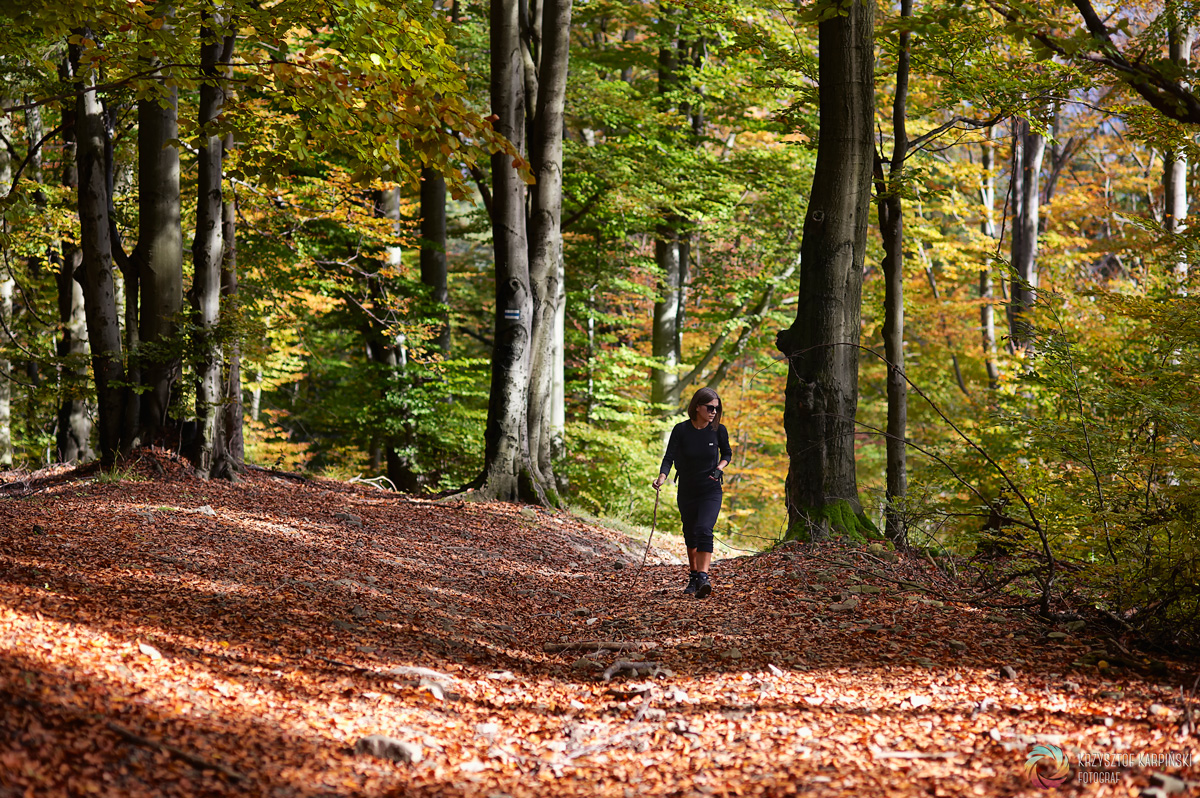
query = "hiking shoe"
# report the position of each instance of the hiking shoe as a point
(703, 586)
(690, 590)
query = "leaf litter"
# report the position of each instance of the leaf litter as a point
(283, 637)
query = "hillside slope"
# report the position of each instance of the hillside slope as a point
(167, 636)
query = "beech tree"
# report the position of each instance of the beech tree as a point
(7, 284)
(158, 257)
(528, 80)
(821, 345)
(210, 456)
(891, 230)
(74, 425)
(99, 290)
(1028, 150)
(1180, 35)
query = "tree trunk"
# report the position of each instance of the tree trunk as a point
(74, 423)
(74, 429)
(822, 344)
(891, 230)
(256, 396)
(231, 460)
(508, 474)
(987, 311)
(159, 254)
(433, 251)
(666, 334)
(208, 248)
(1029, 147)
(7, 284)
(558, 391)
(387, 350)
(666, 338)
(1175, 202)
(545, 238)
(103, 323)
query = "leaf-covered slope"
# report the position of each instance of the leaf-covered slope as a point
(178, 637)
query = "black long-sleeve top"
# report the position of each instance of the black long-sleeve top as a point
(696, 452)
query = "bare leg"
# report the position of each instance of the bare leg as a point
(692, 560)
(700, 560)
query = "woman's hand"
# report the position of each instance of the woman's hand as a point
(659, 480)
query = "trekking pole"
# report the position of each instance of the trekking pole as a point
(653, 523)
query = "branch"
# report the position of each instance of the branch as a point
(484, 193)
(179, 753)
(116, 84)
(1168, 97)
(588, 204)
(29, 156)
(760, 315)
(973, 124)
(713, 349)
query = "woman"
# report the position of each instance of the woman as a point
(699, 450)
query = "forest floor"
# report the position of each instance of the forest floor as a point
(161, 635)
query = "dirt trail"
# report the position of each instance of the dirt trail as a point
(168, 636)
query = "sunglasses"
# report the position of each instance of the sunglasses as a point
(711, 408)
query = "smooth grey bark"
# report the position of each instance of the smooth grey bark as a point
(891, 231)
(7, 285)
(433, 251)
(74, 428)
(987, 311)
(676, 245)
(508, 473)
(1028, 149)
(628, 37)
(545, 241)
(127, 287)
(667, 332)
(208, 247)
(34, 130)
(103, 322)
(558, 388)
(821, 345)
(1175, 164)
(234, 455)
(256, 396)
(159, 254)
(671, 251)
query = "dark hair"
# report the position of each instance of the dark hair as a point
(703, 397)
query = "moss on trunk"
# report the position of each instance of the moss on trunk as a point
(837, 519)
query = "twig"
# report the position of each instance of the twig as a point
(1189, 719)
(179, 753)
(372, 481)
(907, 584)
(341, 664)
(597, 645)
(625, 666)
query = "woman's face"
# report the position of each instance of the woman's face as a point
(707, 411)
